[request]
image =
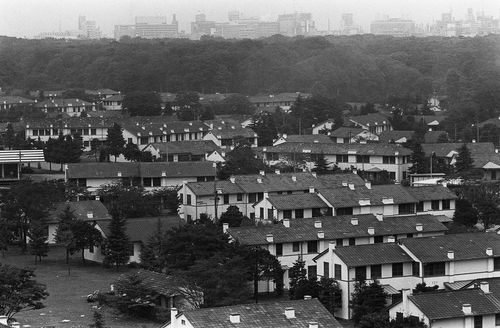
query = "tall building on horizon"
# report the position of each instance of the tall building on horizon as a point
(149, 27)
(393, 26)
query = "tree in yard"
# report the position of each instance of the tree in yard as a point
(241, 160)
(423, 288)
(489, 213)
(232, 216)
(189, 106)
(263, 266)
(98, 320)
(115, 141)
(367, 299)
(19, 291)
(6, 234)
(95, 146)
(129, 201)
(10, 136)
(116, 251)
(263, 124)
(463, 165)
(140, 103)
(131, 152)
(465, 214)
(418, 159)
(152, 252)
(64, 234)
(321, 164)
(85, 236)
(169, 198)
(38, 244)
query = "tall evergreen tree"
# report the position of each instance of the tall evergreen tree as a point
(464, 161)
(115, 141)
(367, 299)
(418, 159)
(64, 233)
(38, 245)
(117, 242)
(152, 252)
(321, 164)
(10, 136)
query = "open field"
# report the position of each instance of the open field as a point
(67, 300)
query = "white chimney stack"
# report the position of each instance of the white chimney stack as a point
(307, 297)
(485, 287)
(419, 227)
(371, 230)
(311, 190)
(351, 186)
(467, 309)
(173, 314)
(290, 313)
(354, 221)
(294, 178)
(451, 255)
(234, 318)
(321, 235)
(489, 251)
(368, 185)
(270, 238)
(380, 217)
(344, 183)
(332, 245)
(318, 224)
(313, 325)
(262, 172)
(232, 179)
(286, 223)
(277, 172)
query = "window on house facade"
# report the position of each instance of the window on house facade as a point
(360, 273)
(93, 132)
(389, 159)
(326, 269)
(362, 158)
(143, 140)
(296, 246)
(352, 241)
(299, 213)
(279, 249)
(376, 271)
(497, 319)
(252, 197)
(188, 199)
(344, 211)
(339, 242)
(392, 175)
(239, 197)
(312, 271)
(312, 246)
(434, 269)
(420, 206)
(270, 213)
(226, 199)
(287, 214)
(446, 204)
(435, 205)
(415, 269)
(338, 272)
(397, 269)
(342, 158)
(260, 196)
(316, 212)
(156, 182)
(378, 239)
(406, 208)
(496, 264)
(82, 182)
(478, 321)
(147, 182)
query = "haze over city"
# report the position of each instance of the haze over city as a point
(27, 18)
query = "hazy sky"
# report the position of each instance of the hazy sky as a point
(26, 18)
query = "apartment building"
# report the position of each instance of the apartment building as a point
(375, 123)
(71, 107)
(144, 133)
(186, 151)
(348, 135)
(227, 137)
(114, 102)
(8, 102)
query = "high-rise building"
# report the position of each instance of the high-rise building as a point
(296, 24)
(88, 29)
(233, 15)
(347, 20)
(393, 26)
(347, 26)
(149, 27)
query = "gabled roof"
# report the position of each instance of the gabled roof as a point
(395, 135)
(431, 193)
(380, 149)
(161, 283)
(448, 304)
(143, 169)
(296, 201)
(114, 98)
(346, 132)
(15, 100)
(60, 102)
(433, 136)
(429, 118)
(280, 97)
(265, 314)
(193, 147)
(233, 131)
(336, 227)
(145, 129)
(306, 138)
(467, 246)
(141, 229)
(371, 119)
(494, 121)
(209, 188)
(372, 254)
(74, 122)
(480, 151)
(81, 210)
(103, 91)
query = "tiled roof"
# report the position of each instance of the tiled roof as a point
(296, 201)
(71, 122)
(314, 138)
(431, 193)
(280, 97)
(104, 91)
(15, 100)
(433, 136)
(465, 246)
(429, 118)
(208, 188)
(372, 119)
(145, 129)
(381, 149)
(345, 197)
(494, 284)
(393, 135)
(264, 314)
(336, 227)
(234, 131)
(443, 149)
(346, 132)
(141, 229)
(131, 169)
(372, 254)
(194, 147)
(159, 282)
(60, 102)
(81, 210)
(114, 98)
(448, 304)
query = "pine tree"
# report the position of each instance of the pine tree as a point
(418, 159)
(38, 239)
(367, 299)
(64, 234)
(464, 161)
(117, 242)
(115, 141)
(152, 257)
(321, 164)
(9, 138)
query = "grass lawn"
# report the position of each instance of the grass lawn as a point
(67, 299)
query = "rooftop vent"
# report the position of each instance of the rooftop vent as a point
(234, 318)
(289, 312)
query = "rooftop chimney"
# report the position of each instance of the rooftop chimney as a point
(225, 226)
(97, 197)
(321, 235)
(371, 230)
(289, 312)
(344, 183)
(234, 318)
(380, 217)
(419, 227)
(307, 297)
(173, 314)
(163, 173)
(332, 245)
(351, 186)
(286, 223)
(294, 178)
(313, 325)
(318, 224)
(489, 251)
(3, 320)
(368, 184)
(270, 238)
(259, 180)
(467, 309)
(232, 179)
(485, 287)
(119, 174)
(314, 174)
(354, 221)
(451, 255)
(90, 215)
(311, 190)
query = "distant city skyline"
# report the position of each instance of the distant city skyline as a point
(27, 18)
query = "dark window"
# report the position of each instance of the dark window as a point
(420, 207)
(146, 182)
(360, 273)
(363, 158)
(406, 208)
(339, 242)
(296, 246)
(261, 212)
(338, 272)
(352, 241)
(260, 196)
(143, 140)
(415, 268)
(435, 205)
(239, 197)
(226, 199)
(188, 200)
(279, 249)
(389, 160)
(326, 269)
(497, 319)
(342, 158)
(316, 212)
(496, 264)
(397, 269)
(410, 235)
(344, 211)
(392, 175)
(376, 271)
(478, 321)
(299, 214)
(252, 197)
(91, 249)
(312, 246)
(494, 177)
(312, 271)
(287, 214)
(446, 204)
(270, 213)
(85, 132)
(82, 182)
(434, 269)
(156, 182)
(93, 132)
(378, 239)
